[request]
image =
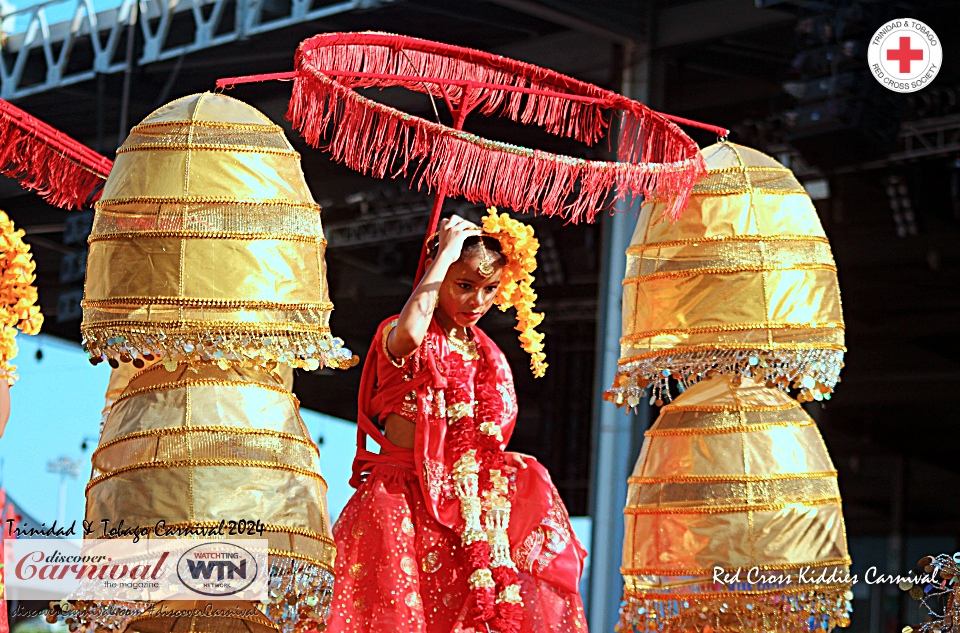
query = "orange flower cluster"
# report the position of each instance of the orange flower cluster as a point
(520, 248)
(18, 295)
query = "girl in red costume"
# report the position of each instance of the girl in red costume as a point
(447, 532)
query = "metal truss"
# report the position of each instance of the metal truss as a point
(929, 137)
(388, 224)
(77, 49)
(402, 225)
(925, 138)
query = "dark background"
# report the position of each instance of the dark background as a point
(788, 78)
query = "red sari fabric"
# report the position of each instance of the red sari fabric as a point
(400, 562)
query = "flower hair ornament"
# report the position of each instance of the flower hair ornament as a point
(519, 246)
(18, 295)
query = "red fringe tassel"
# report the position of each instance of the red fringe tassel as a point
(657, 158)
(64, 172)
(401, 55)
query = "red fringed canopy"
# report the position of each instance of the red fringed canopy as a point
(655, 156)
(61, 170)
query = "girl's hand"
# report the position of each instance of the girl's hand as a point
(453, 231)
(416, 315)
(517, 459)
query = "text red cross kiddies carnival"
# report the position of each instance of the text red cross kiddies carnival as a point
(905, 54)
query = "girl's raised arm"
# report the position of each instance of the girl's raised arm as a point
(415, 317)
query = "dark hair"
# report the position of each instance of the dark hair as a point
(471, 248)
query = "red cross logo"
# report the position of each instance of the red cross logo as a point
(905, 54)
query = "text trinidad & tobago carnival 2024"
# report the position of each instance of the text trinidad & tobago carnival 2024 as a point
(224, 528)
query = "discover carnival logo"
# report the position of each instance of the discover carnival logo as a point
(151, 570)
(905, 55)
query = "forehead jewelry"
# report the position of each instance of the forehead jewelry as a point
(486, 264)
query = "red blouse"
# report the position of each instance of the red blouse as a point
(417, 389)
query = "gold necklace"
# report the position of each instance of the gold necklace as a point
(467, 349)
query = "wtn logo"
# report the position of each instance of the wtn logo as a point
(224, 568)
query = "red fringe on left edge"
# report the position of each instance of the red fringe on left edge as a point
(64, 172)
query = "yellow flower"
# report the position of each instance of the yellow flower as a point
(18, 297)
(520, 247)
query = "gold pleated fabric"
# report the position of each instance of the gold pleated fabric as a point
(182, 451)
(733, 518)
(201, 616)
(207, 246)
(744, 283)
(205, 284)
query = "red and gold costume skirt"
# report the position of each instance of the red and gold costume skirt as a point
(399, 570)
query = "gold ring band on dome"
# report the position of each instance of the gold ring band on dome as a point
(264, 128)
(713, 497)
(209, 219)
(673, 407)
(119, 202)
(736, 612)
(746, 428)
(763, 347)
(744, 179)
(735, 508)
(191, 302)
(725, 239)
(188, 326)
(735, 346)
(173, 431)
(735, 327)
(663, 491)
(192, 443)
(126, 235)
(723, 270)
(207, 147)
(725, 258)
(212, 462)
(732, 478)
(206, 445)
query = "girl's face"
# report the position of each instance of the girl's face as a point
(465, 294)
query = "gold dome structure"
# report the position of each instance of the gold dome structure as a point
(744, 283)
(734, 483)
(207, 246)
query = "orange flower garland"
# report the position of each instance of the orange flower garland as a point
(18, 296)
(520, 248)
